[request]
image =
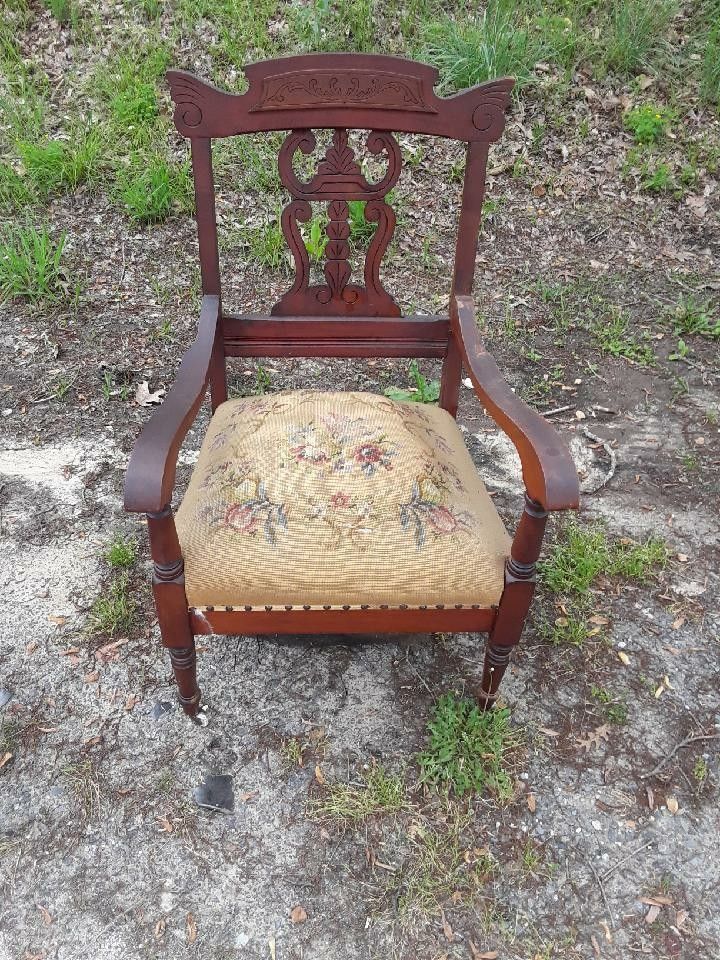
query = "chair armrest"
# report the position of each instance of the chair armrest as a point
(548, 470)
(150, 474)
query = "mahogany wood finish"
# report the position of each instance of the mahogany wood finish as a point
(379, 96)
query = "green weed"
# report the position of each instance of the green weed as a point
(346, 803)
(613, 334)
(424, 391)
(62, 10)
(265, 244)
(467, 748)
(658, 179)
(15, 192)
(31, 265)
(710, 71)
(315, 238)
(361, 230)
(700, 771)
(647, 123)
(614, 708)
(691, 317)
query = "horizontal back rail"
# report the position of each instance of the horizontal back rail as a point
(262, 336)
(359, 91)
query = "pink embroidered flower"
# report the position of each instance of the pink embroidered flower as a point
(340, 500)
(441, 520)
(369, 453)
(308, 454)
(241, 518)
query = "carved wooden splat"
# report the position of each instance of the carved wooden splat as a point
(338, 179)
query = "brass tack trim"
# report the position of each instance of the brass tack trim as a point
(268, 607)
(306, 606)
(247, 608)
(288, 606)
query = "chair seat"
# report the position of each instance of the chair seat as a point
(306, 498)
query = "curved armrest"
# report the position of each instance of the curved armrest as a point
(548, 469)
(150, 474)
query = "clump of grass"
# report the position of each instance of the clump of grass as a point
(710, 75)
(657, 179)
(693, 317)
(14, 190)
(265, 244)
(82, 777)
(467, 748)
(31, 265)
(121, 554)
(347, 803)
(292, 752)
(647, 123)
(56, 166)
(471, 51)
(585, 552)
(635, 34)
(442, 866)
(614, 708)
(613, 334)
(135, 104)
(112, 613)
(62, 10)
(424, 391)
(149, 192)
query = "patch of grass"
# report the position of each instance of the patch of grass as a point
(85, 783)
(292, 752)
(112, 613)
(492, 45)
(613, 334)
(361, 230)
(62, 10)
(122, 553)
(585, 552)
(265, 244)
(150, 192)
(9, 736)
(635, 35)
(441, 867)
(467, 748)
(59, 167)
(31, 265)
(424, 391)
(648, 123)
(693, 317)
(710, 70)
(657, 179)
(572, 628)
(348, 803)
(14, 190)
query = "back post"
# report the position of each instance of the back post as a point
(201, 151)
(473, 196)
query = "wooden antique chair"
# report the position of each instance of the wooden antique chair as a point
(319, 512)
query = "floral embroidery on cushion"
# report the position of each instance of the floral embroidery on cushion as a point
(425, 512)
(341, 444)
(247, 508)
(345, 517)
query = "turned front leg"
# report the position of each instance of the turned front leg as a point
(520, 578)
(172, 606)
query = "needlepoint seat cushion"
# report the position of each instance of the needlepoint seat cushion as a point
(309, 498)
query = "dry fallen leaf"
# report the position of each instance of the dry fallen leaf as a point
(595, 944)
(319, 775)
(681, 918)
(165, 825)
(623, 658)
(47, 918)
(298, 914)
(447, 929)
(131, 702)
(191, 928)
(657, 901)
(531, 802)
(476, 955)
(606, 928)
(248, 796)
(6, 758)
(672, 805)
(160, 928)
(650, 797)
(652, 914)
(271, 948)
(58, 620)
(144, 397)
(91, 677)
(593, 739)
(548, 732)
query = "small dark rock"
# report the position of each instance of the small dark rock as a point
(216, 793)
(5, 697)
(160, 709)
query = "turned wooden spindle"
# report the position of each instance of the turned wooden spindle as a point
(520, 580)
(172, 605)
